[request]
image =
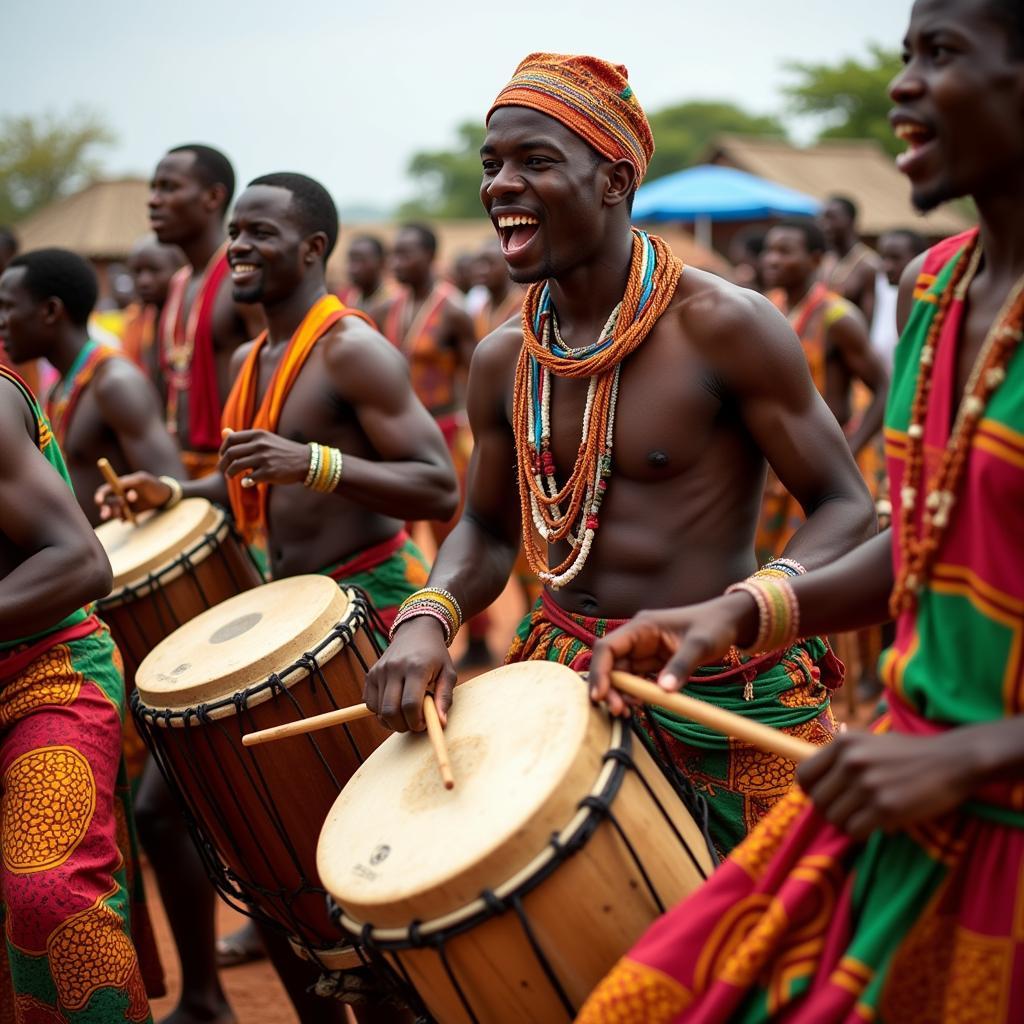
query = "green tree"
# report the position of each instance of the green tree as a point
(850, 99)
(684, 131)
(44, 158)
(449, 179)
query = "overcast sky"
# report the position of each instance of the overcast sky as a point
(347, 92)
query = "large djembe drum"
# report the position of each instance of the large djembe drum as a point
(509, 897)
(286, 651)
(167, 569)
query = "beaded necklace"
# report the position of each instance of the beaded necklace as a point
(653, 275)
(918, 550)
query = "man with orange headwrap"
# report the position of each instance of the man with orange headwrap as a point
(640, 402)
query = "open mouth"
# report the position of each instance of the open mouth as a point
(516, 231)
(243, 271)
(918, 138)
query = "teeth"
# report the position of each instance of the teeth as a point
(910, 132)
(517, 221)
(243, 268)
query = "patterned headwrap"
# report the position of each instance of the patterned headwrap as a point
(590, 97)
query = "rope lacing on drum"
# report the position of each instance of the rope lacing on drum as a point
(236, 890)
(693, 801)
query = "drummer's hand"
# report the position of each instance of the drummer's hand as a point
(672, 642)
(143, 491)
(862, 782)
(265, 458)
(416, 662)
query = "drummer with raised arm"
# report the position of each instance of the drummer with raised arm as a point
(327, 450)
(640, 402)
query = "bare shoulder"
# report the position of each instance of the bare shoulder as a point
(718, 316)
(116, 378)
(498, 352)
(354, 346)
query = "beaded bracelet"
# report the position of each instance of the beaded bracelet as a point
(424, 608)
(778, 612)
(441, 595)
(781, 567)
(325, 468)
(176, 492)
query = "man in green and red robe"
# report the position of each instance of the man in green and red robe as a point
(890, 885)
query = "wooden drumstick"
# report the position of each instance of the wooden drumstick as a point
(436, 734)
(726, 722)
(324, 721)
(115, 485)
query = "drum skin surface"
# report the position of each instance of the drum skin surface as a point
(526, 747)
(261, 808)
(168, 569)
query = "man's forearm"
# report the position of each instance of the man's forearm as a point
(836, 526)
(474, 565)
(871, 422)
(212, 487)
(407, 490)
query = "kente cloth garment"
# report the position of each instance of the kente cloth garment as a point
(67, 391)
(249, 505)
(926, 925)
(781, 514)
(490, 317)
(388, 572)
(70, 907)
(187, 356)
(140, 334)
(591, 97)
(432, 362)
(791, 692)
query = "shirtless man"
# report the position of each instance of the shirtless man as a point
(103, 406)
(189, 196)
(351, 397)
(152, 267)
(718, 387)
(850, 267)
(426, 321)
(68, 942)
(367, 266)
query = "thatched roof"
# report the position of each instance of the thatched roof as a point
(858, 168)
(101, 222)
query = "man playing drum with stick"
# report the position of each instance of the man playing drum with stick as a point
(890, 886)
(327, 450)
(684, 386)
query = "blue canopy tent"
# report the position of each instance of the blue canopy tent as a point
(709, 193)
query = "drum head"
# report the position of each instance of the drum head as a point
(159, 539)
(525, 746)
(239, 643)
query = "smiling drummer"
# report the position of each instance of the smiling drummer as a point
(667, 390)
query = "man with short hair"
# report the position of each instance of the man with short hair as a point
(102, 406)
(639, 402)
(889, 886)
(201, 326)
(367, 266)
(503, 299)
(319, 389)
(151, 265)
(838, 352)
(850, 266)
(68, 952)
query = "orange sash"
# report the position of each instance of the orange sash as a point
(249, 504)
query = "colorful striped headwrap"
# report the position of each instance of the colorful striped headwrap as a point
(590, 97)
